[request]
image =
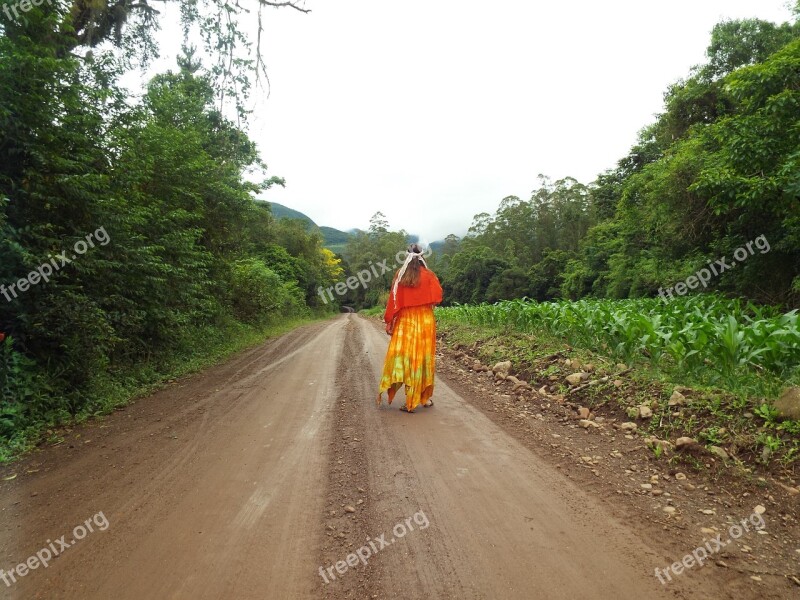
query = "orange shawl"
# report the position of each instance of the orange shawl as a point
(429, 291)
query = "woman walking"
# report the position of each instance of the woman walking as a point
(411, 358)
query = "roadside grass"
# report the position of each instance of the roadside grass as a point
(375, 311)
(196, 349)
(731, 414)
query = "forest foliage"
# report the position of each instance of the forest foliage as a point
(189, 254)
(718, 168)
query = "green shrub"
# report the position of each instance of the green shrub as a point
(257, 292)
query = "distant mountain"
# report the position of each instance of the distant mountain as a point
(334, 236)
(437, 245)
(280, 211)
(334, 239)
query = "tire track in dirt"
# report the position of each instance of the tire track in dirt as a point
(502, 524)
(211, 491)
(348, 484)
(423, 563)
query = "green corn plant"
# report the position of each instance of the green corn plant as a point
(696, 332)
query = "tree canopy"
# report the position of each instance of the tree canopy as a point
(716, 170)
(129, 228)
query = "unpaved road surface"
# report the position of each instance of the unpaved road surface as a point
(233, 484)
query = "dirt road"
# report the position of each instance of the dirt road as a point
(235, 483)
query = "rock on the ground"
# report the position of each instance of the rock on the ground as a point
(788, 405)
(576, 378)
(685, 443)
(718, 452)
(503, 367)
(587, 424)
(645, 412)
(629, 426)
(584, 412)
(677, 399)
(792, 491)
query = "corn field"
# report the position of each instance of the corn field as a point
(697, 332)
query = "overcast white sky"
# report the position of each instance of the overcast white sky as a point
(433, 111)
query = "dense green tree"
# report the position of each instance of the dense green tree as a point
(470, 274)
(520, 235)
(508, 284)
(148, 205)
(374, 251)
(751, 174)
(740, 43)
(547, 276)
(715, 171)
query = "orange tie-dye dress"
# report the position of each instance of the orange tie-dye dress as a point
(411, 357)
